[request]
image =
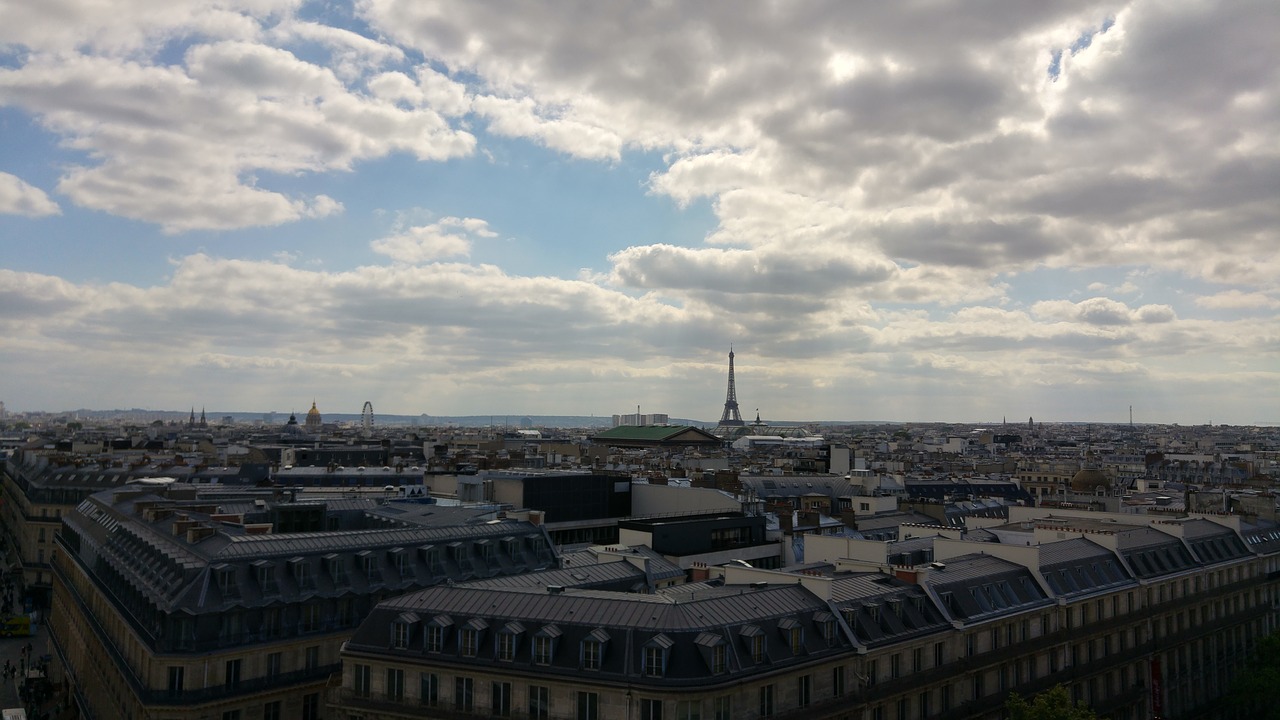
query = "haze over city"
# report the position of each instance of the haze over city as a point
(893, 212)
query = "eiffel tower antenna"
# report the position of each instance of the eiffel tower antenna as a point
(730, 417)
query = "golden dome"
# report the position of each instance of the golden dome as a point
(313, 412)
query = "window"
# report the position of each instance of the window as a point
(273, 664)
(766, 700)
(917, 660)
(500, 703)
(757, 648)
(938, 656)
(468, 641)
(588, 706)
(429, 689)
(895, 666)
(650, 709)
(231, 674)
(688, 710)
(176, 673)
(796, 638)
(270, 622)
(804, 690)
(873, 670)
(464, 694)
(591, 655)
(654, 660)
(271, 711)
(395, 684)
(542, 650)
(313, 657)
(310, 620)
(435, 638)
(718, 661)
(539, 702)
(506, 646)
(400, 635)
(230, 715)
(924, 706)
(977, 686)
(311, 706)
(837, 680)
(360, 681)
(722, 707)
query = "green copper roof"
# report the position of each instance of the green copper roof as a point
(651, 433)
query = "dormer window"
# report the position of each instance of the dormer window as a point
(335, 569)
(402, 630)
(656, 650)
(794, 634)
(544, 644)
(469, 637)
(508, 640)
(400, 562)
(593, 649)
(826, 623)
(301, 573)
(369, 564)
(873, 611)
(755, 640)
(714, 651)
(226, 576)
(511, 547)
(432, 558)
(460, 556)
(265, 572)
(435, 633)
(895, 604)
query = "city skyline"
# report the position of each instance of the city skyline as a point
(895, 213)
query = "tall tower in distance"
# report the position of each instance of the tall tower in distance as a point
(730, 417)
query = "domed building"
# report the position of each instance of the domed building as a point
(313, 421)
(1090, 481)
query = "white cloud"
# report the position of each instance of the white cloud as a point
(1237, 300)
(17, 197)
(449, 237)
(1101, 311)
(179, 145)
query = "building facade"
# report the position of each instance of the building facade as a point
(175, 601)
(1150, 619)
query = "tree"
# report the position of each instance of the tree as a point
(1052, 704)
(1252, 693)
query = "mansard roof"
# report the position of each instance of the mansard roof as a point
(684, 628)
(182, 549)
(1079, 566)
(977, 587)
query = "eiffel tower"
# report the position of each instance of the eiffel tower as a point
(730, 417)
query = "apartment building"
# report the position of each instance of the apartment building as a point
(177, 601)
(1138, 618)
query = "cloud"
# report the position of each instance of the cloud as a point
(19, 198)
(1237, 300)
(180, 145)
(1101, 311)
(436, 241)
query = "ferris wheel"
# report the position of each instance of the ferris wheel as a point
(366, 419)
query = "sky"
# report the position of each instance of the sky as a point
(907, 211)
